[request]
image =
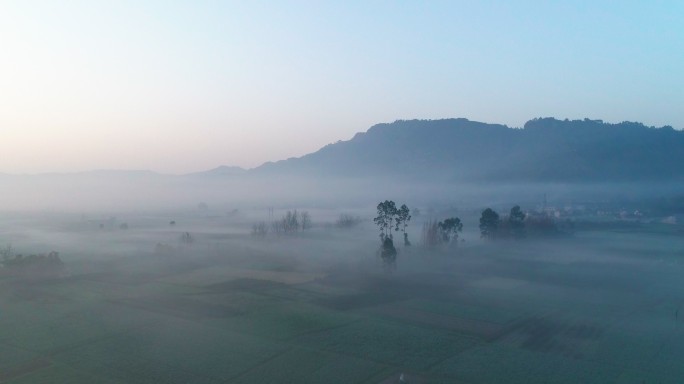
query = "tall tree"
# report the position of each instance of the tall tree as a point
(387, 211)
(489, 223)
(402, 219)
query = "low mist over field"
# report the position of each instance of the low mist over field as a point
(341, 192)
(582, 294)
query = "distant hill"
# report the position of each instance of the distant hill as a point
(222, 170)
(545, 150)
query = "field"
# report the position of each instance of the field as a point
(600, 306)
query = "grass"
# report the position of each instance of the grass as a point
(599, 307)
(397, 344)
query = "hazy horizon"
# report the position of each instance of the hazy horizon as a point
(180, 88)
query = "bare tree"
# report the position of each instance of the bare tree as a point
(291, 222)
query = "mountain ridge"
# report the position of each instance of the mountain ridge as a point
(458, 149)
(544, 150)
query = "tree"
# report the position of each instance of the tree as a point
(402, 219)
(450, 229)
(387, 211)
(489, 223)
(516, 220)
(291, 222)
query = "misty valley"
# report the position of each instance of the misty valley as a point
(545, 291)
(421, 251)
(353, 192)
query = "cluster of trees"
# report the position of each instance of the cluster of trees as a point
(443, 232)
(44, 261)
(291, 222)
(390, 217)
(516, 225)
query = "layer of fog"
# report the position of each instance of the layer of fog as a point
(125, 191)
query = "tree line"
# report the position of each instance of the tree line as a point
(515, 225)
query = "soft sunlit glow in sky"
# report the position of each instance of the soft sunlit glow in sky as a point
(181, 86)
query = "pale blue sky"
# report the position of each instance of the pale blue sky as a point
(180, 86)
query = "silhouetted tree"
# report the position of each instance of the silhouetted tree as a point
(450, 228)
(402, 219)
(489, 223)
(387, 211)
(516, 219)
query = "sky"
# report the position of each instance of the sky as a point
(184, 86)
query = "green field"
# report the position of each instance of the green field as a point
(595, 307)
